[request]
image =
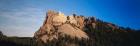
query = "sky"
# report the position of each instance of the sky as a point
(23, 17)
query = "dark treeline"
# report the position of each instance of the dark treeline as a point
(102, 35)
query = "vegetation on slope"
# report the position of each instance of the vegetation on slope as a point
(102, 35)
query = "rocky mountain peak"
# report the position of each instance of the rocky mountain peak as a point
(59, 29)
(57, 24)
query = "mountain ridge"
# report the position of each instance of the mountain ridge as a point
(57, 25)
(61, 30)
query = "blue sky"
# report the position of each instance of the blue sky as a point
(24, 17)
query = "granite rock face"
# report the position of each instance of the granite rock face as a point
(57, 24)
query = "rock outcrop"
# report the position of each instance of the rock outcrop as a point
(90, 21)
(59, 19)
(72, 31)
(57, 24)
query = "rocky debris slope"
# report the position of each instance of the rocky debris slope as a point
(57, 24)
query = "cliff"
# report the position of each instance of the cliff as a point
(57, 24)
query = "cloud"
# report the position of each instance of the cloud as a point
(21, 22)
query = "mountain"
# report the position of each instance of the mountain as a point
(58, 25)
(59, 29)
